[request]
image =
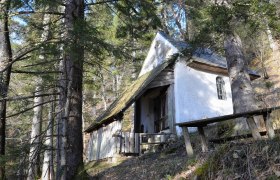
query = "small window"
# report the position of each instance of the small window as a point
(221, 88)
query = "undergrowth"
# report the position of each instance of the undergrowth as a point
(246, 160)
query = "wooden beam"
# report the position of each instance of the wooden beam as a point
(204, 122)
(171, 108)
(253, 127)
(268, 124)
(187, 139)
(137, 145)
(215, 69)
(203, 139)
(237, 137)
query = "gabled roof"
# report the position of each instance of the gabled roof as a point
(132, 93)
(137, 88)
(203, 55)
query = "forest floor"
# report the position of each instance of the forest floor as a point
(243, 159)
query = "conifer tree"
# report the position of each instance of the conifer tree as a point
(5, 73)
(220, 24)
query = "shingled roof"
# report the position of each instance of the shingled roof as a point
(132, 93)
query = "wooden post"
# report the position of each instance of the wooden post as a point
(268, 123)
(203, 140)
(137, 145)
(253, 127)
(171, 108)
(126, 142)
(131, 143)
(187, 139)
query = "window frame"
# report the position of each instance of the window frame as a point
(221, 91)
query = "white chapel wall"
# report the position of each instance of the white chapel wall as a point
(160, 50)
(196, 95)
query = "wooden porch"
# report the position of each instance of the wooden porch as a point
(135, 143)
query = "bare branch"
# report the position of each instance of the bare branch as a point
(28, 109)
(20, 56)
(41, 63)
(101, 2)
(35, 72)
(27, 97)
(34, 12)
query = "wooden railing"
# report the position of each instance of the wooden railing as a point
(200, 124)
(131, 143)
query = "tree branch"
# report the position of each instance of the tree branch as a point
(35, 72)
(101, 2)
(27, 97)
(41, 63)
(34, 12)
(21, 55)
(28, 109)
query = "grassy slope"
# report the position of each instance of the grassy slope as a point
(244, 159)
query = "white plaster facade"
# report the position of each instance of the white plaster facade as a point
(160, 50)
(196, 95)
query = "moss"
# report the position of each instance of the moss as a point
(212, 164)
(191, 161)
(168, 177)
(272, 177)
(225, 129)
(269, 84)
(127, 118)
(203, 169)
(129, 95)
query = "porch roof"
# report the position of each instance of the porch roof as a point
(131, 94)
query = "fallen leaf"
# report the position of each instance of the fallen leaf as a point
(277, 173)
(265, 148)
(235, 155)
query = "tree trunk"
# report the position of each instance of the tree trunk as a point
(242, 91)
(36, 139)
(5, 58)
(73, 58)
(272, 43)
(34, 152)
(60, 121)
(48, 169)
(103, 91)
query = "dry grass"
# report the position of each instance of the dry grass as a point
(268, 90)
(246, 160)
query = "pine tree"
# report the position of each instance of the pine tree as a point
(221, 22)
(5, 73)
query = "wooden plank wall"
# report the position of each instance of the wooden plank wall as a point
(130, 142)
(166, 77)
(171, 108)
(103, 142)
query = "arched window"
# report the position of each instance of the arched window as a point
(221, 88)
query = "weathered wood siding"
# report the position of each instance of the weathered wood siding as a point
(166, 77)
(103, 143)
(130, 142)
(171, 108)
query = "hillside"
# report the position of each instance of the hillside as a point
(243, 159)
